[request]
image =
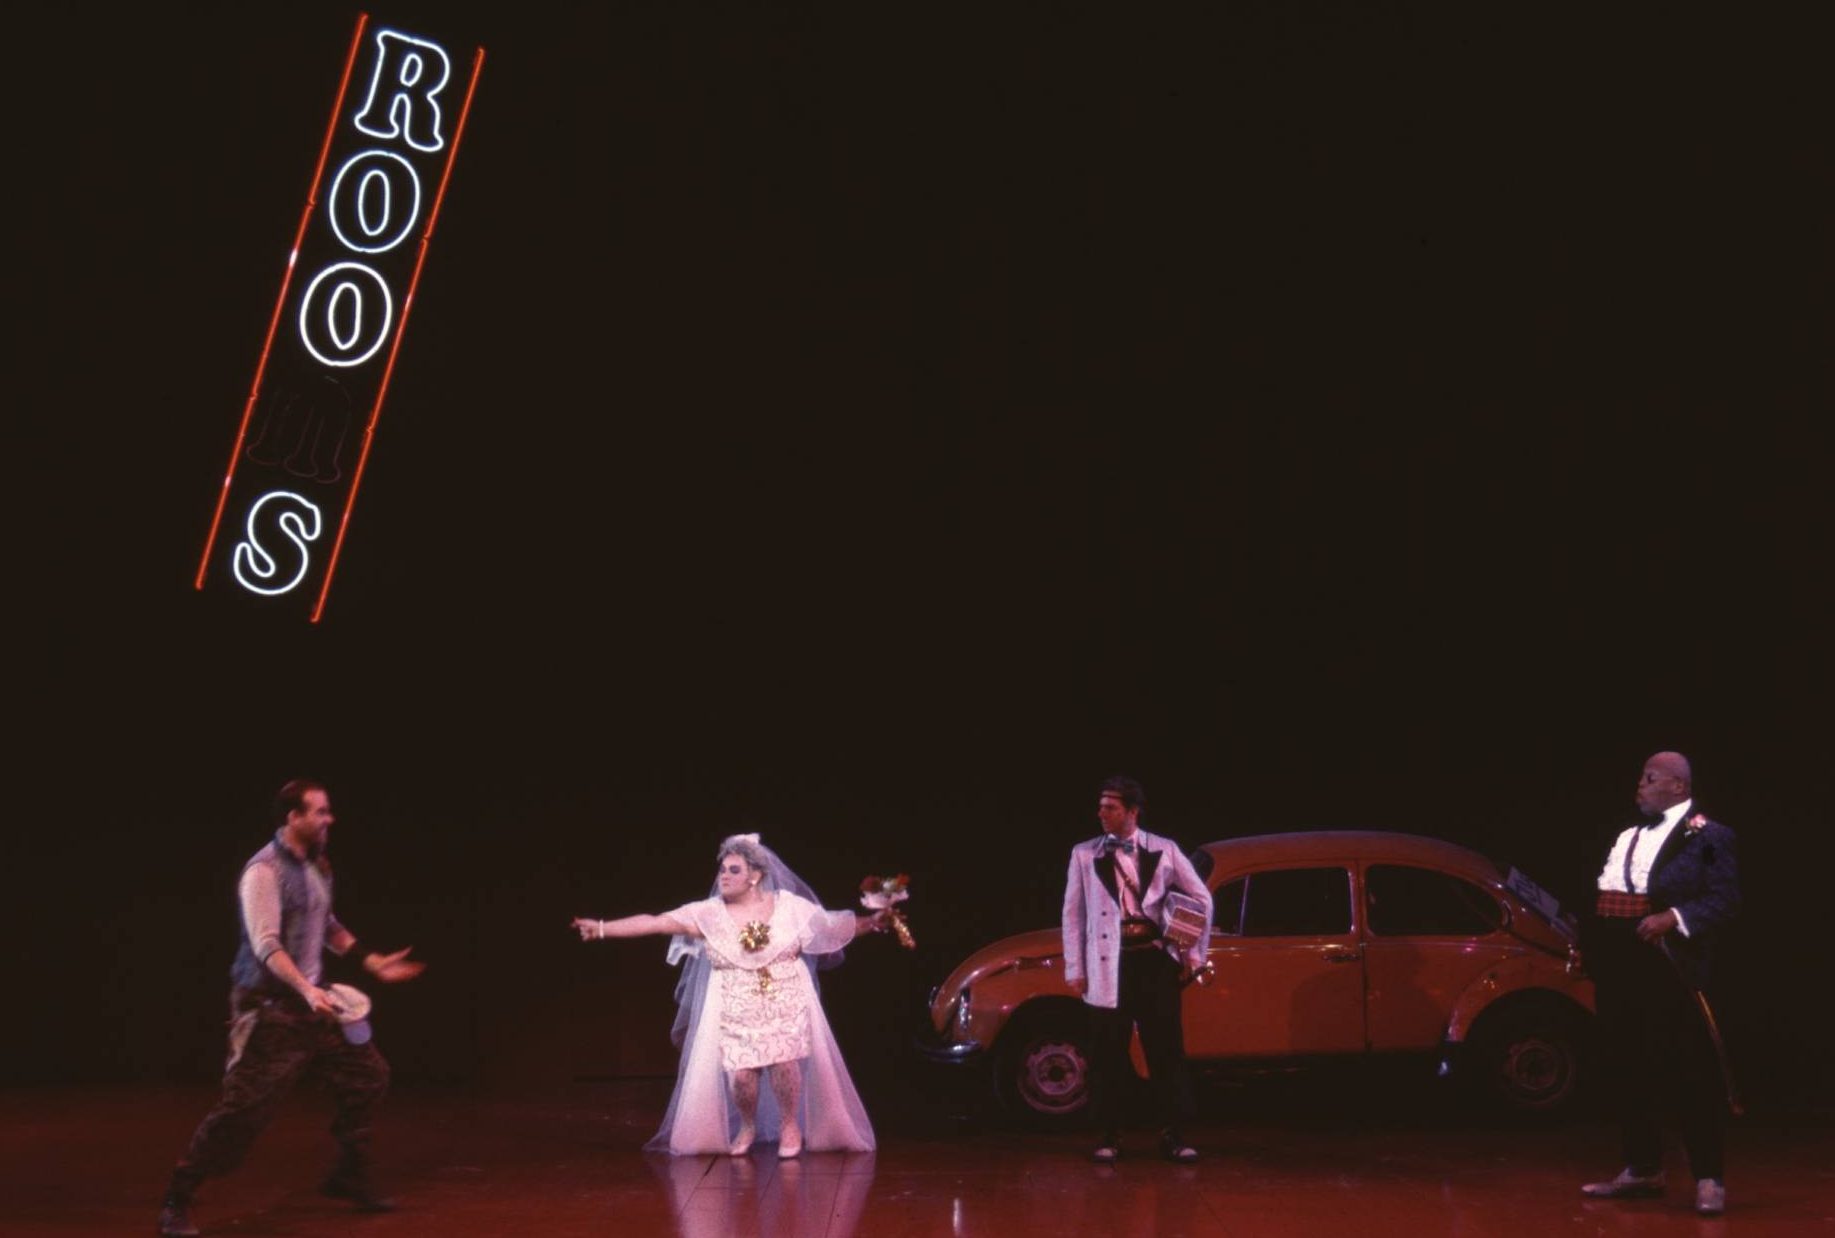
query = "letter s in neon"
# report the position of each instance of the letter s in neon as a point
(254, 568)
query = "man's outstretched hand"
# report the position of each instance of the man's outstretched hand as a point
(393, 968)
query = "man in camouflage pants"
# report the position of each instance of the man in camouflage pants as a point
(282, 1024)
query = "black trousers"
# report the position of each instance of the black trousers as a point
(287, 1043)
(1148, 996)
(1658, 1054)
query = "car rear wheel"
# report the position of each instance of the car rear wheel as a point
(1042, 1068)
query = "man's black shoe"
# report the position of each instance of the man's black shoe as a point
(1174, 1148)
(175, 1219)
(360, 1191)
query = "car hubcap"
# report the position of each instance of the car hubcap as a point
(1535, 1069)
(1055, 1078)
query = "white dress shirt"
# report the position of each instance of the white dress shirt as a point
(1643, 842)
(1127, 877)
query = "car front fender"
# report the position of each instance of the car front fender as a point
(1525, 973)
(998, 994)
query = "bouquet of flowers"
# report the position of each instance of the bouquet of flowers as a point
(884, 894)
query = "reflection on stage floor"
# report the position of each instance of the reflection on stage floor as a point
(93, 1161)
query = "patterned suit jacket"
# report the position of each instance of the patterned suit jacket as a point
(1697, 873)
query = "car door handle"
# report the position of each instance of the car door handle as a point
(1340, 956)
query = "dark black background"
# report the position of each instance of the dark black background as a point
(874, 425)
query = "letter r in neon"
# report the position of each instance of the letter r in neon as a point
(408, 77)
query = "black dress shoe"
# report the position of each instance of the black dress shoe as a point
(175, 1220)
(359, 1190)
(1174, 1148)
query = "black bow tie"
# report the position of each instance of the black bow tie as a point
(1111, 845)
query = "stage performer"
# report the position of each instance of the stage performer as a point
(1668, 890)
(1118, 959)
(282, 1024)
(747, 1006)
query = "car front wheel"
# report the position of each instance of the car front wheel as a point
(1529, 1060)
(1042, 1069)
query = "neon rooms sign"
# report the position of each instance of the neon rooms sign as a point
(337, 326)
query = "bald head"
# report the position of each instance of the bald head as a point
(1665, 782)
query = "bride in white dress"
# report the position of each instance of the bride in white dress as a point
(747, 1006)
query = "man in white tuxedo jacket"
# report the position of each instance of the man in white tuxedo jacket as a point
(1118, 959)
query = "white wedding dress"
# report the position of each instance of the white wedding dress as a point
(744, 1008)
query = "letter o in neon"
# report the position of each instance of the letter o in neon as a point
(364, 201)
(332, 313)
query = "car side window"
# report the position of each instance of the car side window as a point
(1226, 907)
(1418, 902)
(1297, 902)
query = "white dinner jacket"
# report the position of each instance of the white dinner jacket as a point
(1092, 909)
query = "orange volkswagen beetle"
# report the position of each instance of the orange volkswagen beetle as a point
(1330, 943)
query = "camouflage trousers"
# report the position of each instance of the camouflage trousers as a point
(273, 1044)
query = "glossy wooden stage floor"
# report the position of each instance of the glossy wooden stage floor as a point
(93, 1161)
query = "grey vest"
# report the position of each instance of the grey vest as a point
(300, 937)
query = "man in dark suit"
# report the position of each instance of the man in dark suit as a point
(1127, 952)
(1669, 888)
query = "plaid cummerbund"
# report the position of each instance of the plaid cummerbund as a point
(1617, 905)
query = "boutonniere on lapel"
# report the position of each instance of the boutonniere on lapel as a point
(1692, 828)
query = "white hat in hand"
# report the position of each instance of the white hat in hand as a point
(352, 1006)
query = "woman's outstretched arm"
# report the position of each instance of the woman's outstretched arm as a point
(875, 923)
(633, 926)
